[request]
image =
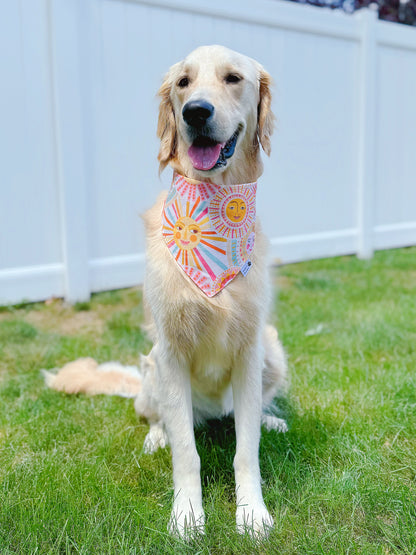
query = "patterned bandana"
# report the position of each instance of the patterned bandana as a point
(210, 230)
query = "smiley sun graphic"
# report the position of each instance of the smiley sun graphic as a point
(236, 209)
(187, 233)
(189, 237)
(233, 209)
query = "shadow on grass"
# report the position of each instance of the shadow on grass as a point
(216, 445)
(284, 458)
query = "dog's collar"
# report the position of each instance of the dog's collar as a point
(210, 230)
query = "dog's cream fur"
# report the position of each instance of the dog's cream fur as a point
(211, 356)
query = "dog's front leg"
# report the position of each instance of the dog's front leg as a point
(176, 407)
(252, 515)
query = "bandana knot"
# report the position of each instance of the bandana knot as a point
(210, 230)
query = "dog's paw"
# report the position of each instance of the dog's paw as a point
(185, 521)
(155, 439)
(254, 520)
(273, 423)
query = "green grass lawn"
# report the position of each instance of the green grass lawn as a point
(74, 478)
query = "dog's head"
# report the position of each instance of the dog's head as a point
(214, 115)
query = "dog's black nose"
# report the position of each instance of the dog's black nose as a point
(197, 112)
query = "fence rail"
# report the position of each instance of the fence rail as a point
(78, 147)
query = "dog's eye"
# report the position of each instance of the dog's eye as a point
(184, 82)
(232, 78)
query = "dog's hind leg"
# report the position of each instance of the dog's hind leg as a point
(271, 422)
(274, 379)
(156, 438)
(147, 404)
(275, 374)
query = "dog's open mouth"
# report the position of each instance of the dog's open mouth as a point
(206, 154)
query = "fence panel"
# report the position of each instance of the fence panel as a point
(78, 142)
(30, 244)
(395, 198)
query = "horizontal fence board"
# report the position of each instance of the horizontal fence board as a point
(313, 245)
(116, 272)
(395, 235)
(30, 284)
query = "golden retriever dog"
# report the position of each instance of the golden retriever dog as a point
(212, 355)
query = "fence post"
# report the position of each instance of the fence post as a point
(64, 26)
(367, 132)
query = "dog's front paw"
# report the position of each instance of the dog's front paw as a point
(186, 521)
(155, 439)
(254, 520)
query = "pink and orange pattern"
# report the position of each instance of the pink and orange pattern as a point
(209, 230)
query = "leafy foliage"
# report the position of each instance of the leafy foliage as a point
(389, 10)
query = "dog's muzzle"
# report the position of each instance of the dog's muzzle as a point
(206, 153)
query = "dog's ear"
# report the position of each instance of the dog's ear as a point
(265, 117)
(166, 125)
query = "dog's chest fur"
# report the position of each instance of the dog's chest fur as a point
(207, 333)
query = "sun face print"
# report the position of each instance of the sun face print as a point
(233, 209)
(189, 237)
(209, 230)
(187, 233)
(236, 209)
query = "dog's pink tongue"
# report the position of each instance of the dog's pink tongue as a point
(204, 157)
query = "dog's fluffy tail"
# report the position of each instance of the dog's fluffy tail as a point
(85, 375)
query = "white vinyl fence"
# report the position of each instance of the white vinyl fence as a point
(78, 118)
